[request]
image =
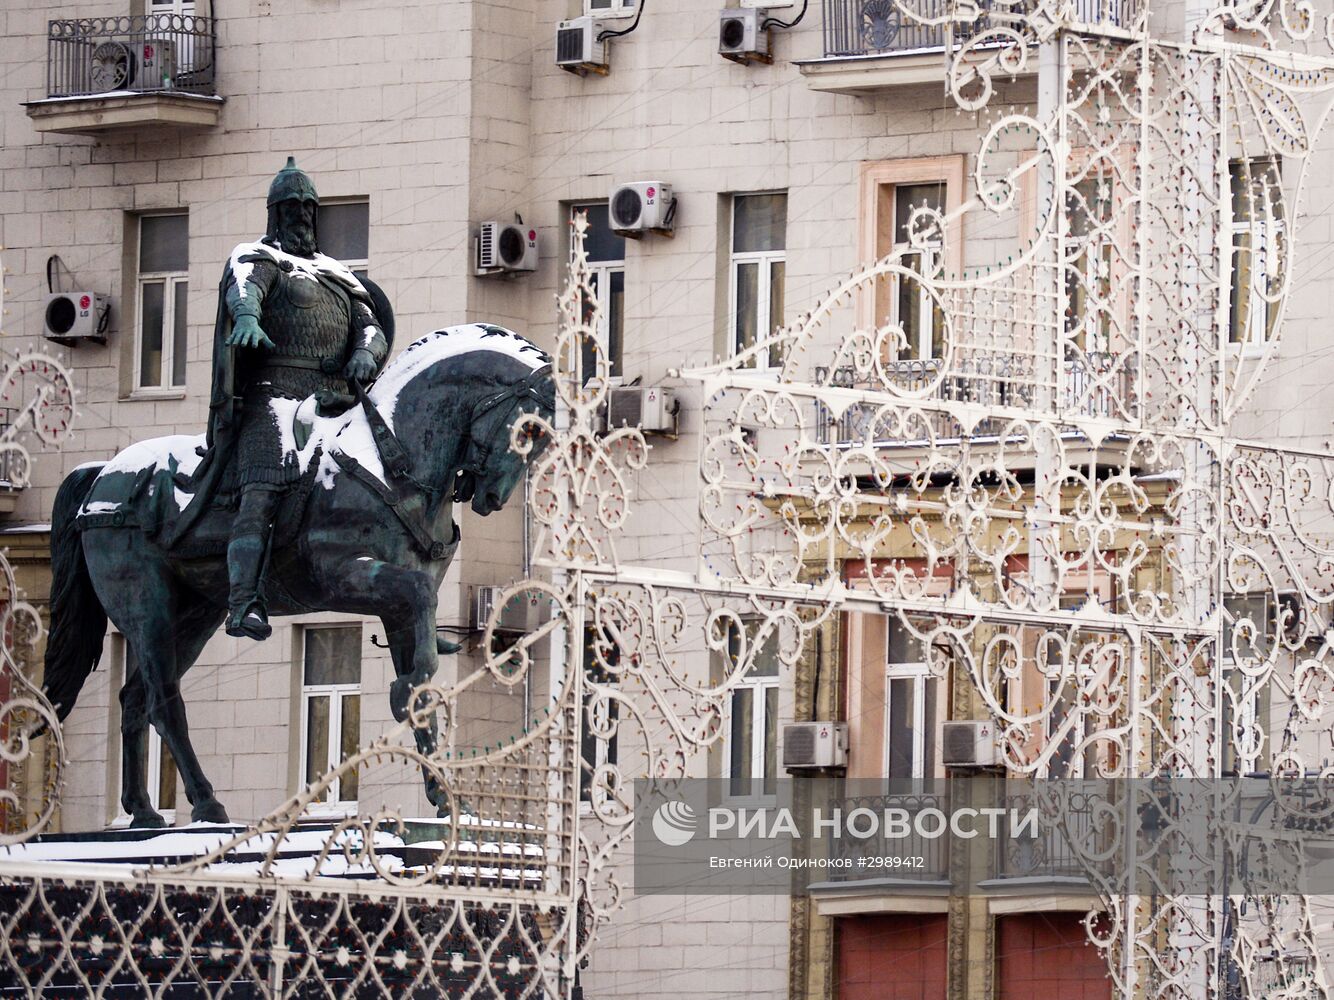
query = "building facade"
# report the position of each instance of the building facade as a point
(419, 122)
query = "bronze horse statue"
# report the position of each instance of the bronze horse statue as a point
(369, 530)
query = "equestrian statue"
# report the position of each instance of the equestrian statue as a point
(325, 482)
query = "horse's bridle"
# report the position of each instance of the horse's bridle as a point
(478, 450)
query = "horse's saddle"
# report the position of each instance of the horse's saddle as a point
(153, 499)
(149, 483)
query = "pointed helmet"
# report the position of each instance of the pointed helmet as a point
(291, 182)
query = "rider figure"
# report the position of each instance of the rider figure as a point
(300, 324)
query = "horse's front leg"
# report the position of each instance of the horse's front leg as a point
(405, 599)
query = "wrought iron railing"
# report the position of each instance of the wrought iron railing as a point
(879, 27)
(1051, 852)
(913, 858)
(142, 54)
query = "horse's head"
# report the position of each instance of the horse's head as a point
(491, 467)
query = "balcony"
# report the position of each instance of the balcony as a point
(919, 881)
(113, 73)
(1095, 386)
(870, 45)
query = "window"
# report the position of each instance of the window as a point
(911, 710)
(331, 707)
(163, 287)
(752, 747)
(597, 749)
(1257, 239)
(610, 8)
(908, 305)
(344, 233)
(1088, 274)
(1067, 678)
(606, 262)
(758, 271)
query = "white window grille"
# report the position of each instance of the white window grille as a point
(331, 709)
(163, 289)
(758, 272)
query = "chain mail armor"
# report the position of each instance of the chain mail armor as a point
(314, 325)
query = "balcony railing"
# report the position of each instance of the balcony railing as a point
(917, 858)
(1050, 853)
(1089, 392)
(878, 27)
(155, 53)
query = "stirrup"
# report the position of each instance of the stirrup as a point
(249, 623)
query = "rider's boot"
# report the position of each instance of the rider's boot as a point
(246, 615)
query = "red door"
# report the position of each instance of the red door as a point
(898, 956)
(1047, 956)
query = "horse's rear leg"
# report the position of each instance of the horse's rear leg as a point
(134, 753)
(167, 648)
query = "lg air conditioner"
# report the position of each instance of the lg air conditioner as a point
(578, 49)
(741, 37)
(652, 409)
(810, 746)
(74, 317)
(157, 64)
(641, 207)
(969, 744)
(506, 248)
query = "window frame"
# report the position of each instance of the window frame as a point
(618, 8)
(169, 280)
(601, 277)
(335, 804)
(920, 674)
(1267, 233)
(758, 685)
(763, 261)
(1083, 252)
(358, 266)
(879, 183)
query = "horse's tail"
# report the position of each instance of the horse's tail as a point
(78, 620)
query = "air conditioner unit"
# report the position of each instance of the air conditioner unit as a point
(815, 745)
(652, 409)
(521, 613)
(740, 37)
(578, 49)
(157, 64)
(642, 206)
(111, 66)
(969, 744)
(506, 248)
(73, 317)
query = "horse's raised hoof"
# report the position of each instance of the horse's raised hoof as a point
(443, 647)
(147, 820)
(211, 811)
